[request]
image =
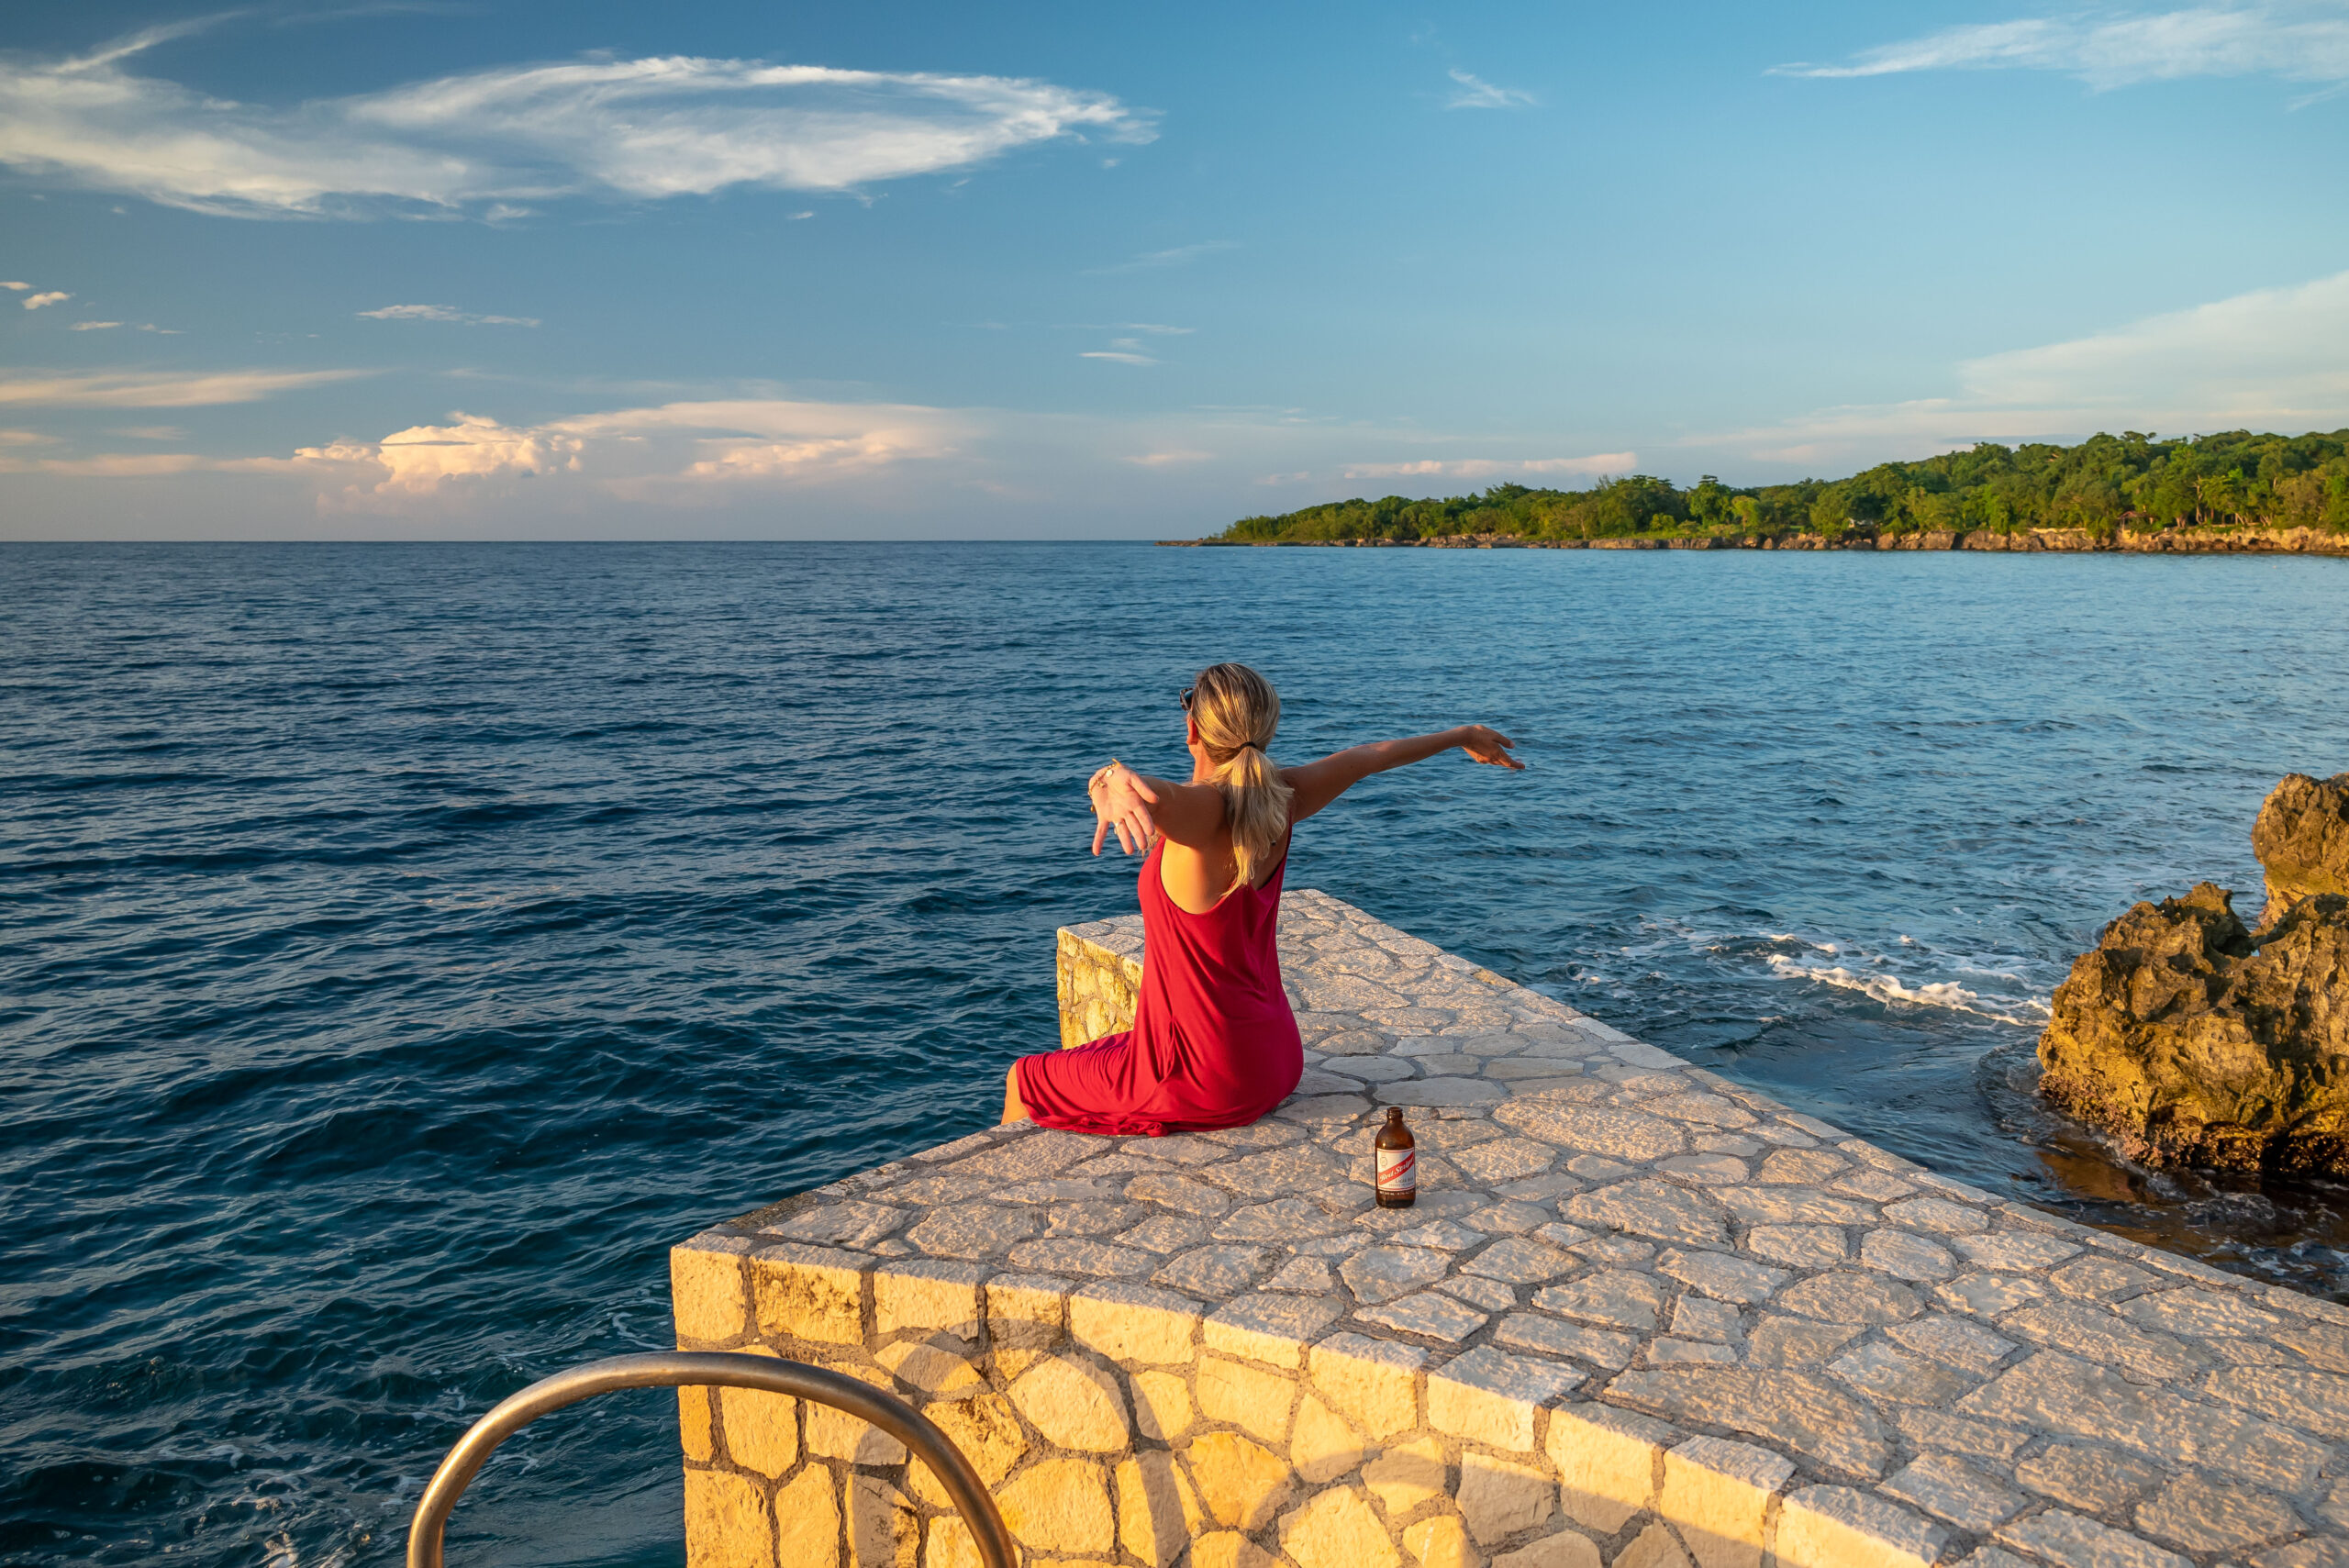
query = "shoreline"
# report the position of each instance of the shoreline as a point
(2075, 541)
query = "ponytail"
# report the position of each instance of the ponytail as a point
(1238, 711)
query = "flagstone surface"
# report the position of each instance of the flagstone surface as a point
(1639, 1317)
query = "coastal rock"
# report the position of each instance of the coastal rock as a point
(2302, 841)
(2194, 1044)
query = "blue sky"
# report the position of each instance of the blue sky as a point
(596, 269)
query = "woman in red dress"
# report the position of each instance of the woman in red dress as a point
(1213, 1043)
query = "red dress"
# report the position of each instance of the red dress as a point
(1214, 1043)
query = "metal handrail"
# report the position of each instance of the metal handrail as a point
(724, 1369)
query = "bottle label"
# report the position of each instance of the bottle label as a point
(1399, 1170)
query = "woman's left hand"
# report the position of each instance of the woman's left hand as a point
(1489, 746)
(1122, 801)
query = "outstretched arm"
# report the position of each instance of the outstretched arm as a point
(1318, 783)
(1137, 807)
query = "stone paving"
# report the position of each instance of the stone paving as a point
(1639, 1316)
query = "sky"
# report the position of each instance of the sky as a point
(402, 269)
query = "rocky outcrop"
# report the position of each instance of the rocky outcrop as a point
(2192, 1043)
(2302, 841)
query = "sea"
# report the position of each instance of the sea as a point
(405, 944)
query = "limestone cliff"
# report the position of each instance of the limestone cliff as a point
(2302, 841)
(2192, 1044)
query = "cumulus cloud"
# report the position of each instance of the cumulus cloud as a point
(445, 313)
(489, 142)
(767, 464)
(158, 389)
(2272, 359)
(1495, 468)
(1476, 92)
(18, 288)
(2307, 41)
(54, 296)
(676, 453)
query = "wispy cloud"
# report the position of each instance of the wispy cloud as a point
(1167, 460)
(1177, 256)
(1495, 468)
(489, 142)
(54, 296)
(445, 313)
(158, 389)
(2303, 42)
(17, 288)
(1122, 350)
(2272, 359)
(1476, 92)
(92, 326)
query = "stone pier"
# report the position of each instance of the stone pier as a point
(1640, 1318)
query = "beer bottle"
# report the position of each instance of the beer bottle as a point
(1399, 1162)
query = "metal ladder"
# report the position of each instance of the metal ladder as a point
(719, 1368)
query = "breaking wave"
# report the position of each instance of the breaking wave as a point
(1945, 994)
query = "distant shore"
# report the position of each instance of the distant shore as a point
(2218, 541)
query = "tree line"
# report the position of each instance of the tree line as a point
(2131, 481)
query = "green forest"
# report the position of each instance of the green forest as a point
(2131, 481)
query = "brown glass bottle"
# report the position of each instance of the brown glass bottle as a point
(1396, 1155)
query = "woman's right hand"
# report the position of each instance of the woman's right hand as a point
(1122, 801)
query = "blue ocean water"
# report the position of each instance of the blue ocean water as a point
(405, 945)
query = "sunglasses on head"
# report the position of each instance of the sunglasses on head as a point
(1187, 694)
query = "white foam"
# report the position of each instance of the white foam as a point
(1945, 994)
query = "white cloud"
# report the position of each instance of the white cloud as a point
(765, 464)
(676, 453)
(26, 439)
(1476, 92)
(445, 313)
(92, 326)
(1177, 256)
(2270, 360)
(158, 389)
(492, 142)
(54, 296)
(1119, 356)
(1495, 468)
(20, 288)
(2303, 42)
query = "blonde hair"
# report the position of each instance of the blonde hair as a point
(1237, 712)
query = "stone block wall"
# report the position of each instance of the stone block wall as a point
(1121, 1424)
(1640, 1318)
(1100, 976)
